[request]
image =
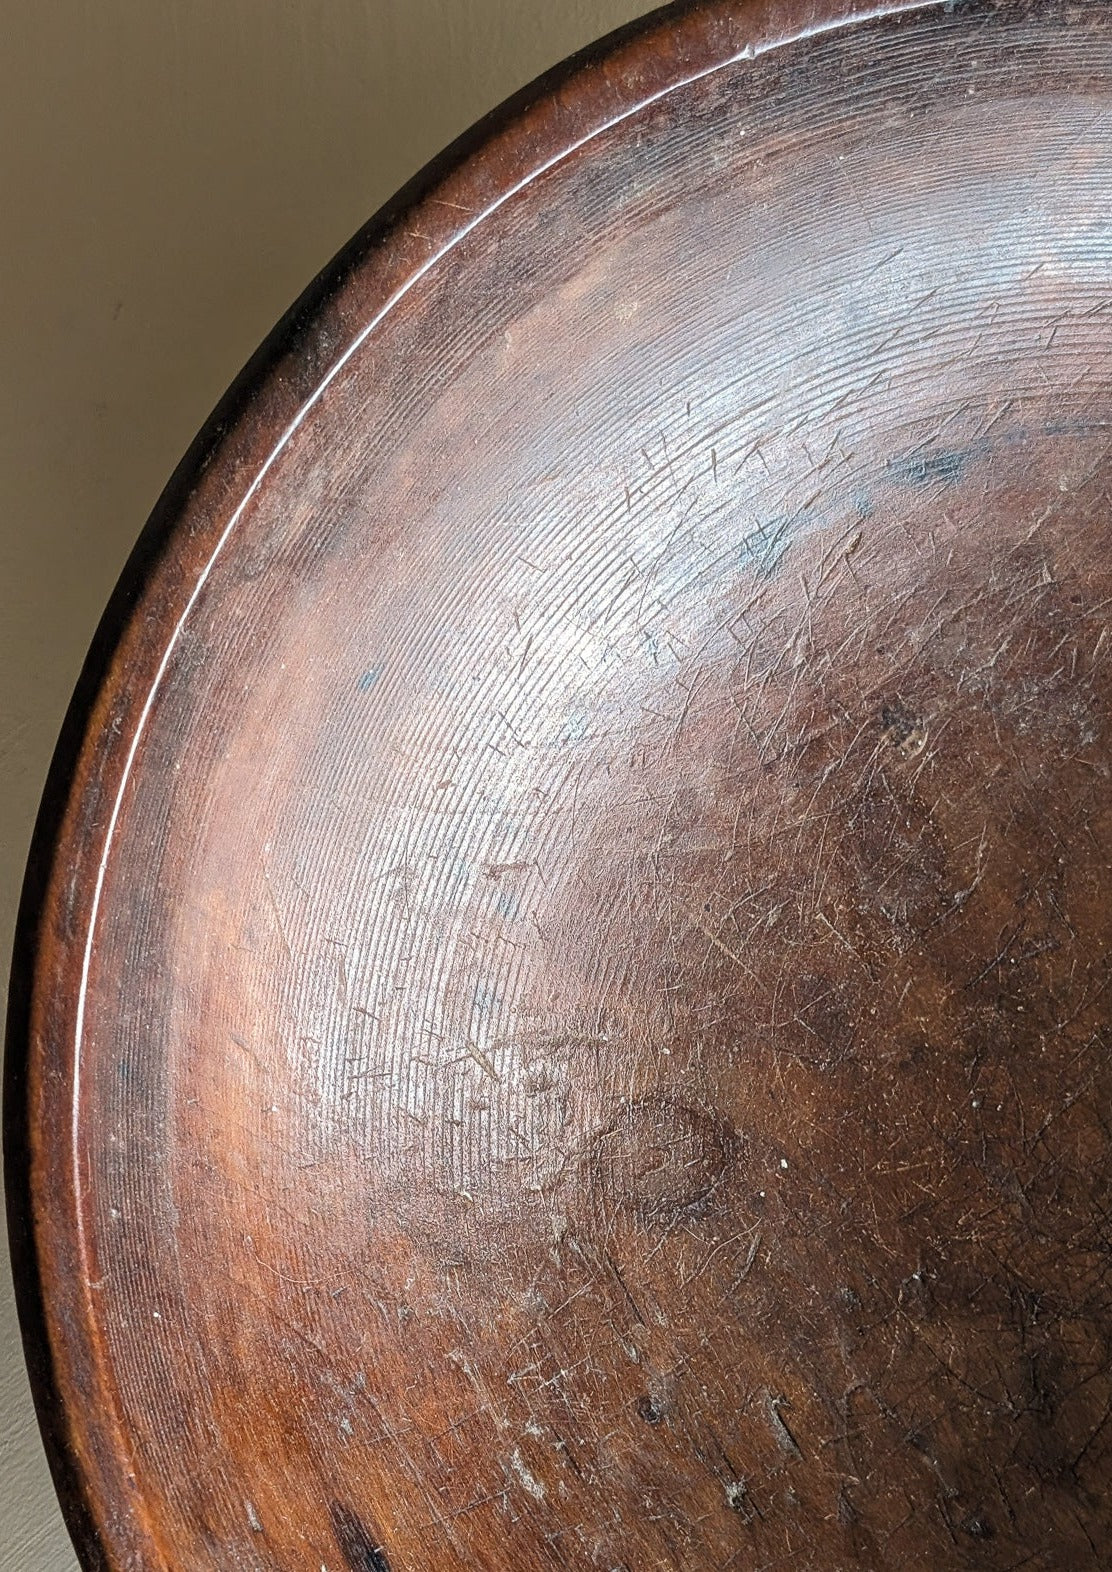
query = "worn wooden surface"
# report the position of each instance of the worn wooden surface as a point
(172, 174)
(568, 1023)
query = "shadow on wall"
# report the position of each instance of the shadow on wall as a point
(172, 176)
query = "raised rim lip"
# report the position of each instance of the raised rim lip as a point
(535, 129)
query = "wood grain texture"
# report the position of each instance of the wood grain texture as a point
(564, 985)
(172, 174)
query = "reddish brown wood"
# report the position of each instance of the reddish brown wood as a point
(562, 1011)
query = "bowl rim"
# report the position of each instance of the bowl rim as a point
(541, 126)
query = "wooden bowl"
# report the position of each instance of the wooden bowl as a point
(562, 1010)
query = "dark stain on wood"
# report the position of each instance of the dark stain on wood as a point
(359, 1547)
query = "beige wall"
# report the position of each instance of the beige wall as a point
(172, 172)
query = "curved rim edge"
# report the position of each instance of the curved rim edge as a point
(704, 36)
